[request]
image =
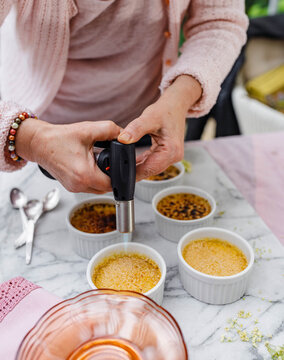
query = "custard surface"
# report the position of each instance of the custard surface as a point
(184, 206)
(127, 271)
(171, 172)
(95, 218)
(214, 257)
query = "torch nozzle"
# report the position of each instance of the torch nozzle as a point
(125, 216)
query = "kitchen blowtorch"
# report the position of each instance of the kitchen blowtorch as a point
(118, 161)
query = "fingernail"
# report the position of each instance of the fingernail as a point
(125, 137)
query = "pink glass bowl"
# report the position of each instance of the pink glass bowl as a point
(105, 325)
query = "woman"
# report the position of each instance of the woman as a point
(106, 69)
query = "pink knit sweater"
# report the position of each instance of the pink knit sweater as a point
(35, 40)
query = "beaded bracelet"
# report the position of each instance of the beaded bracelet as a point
(12, 134)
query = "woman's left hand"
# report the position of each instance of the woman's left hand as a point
(165, 122)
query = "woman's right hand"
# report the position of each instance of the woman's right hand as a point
(66, 151)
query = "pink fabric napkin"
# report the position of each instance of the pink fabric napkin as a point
(22, 303)
(255, 164)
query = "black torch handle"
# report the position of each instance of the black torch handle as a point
(119, 162)
(46, 173)
(122, 170)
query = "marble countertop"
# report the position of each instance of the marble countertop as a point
(59, 270)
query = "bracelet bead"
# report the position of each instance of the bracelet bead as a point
(15, 125)
(12, 134)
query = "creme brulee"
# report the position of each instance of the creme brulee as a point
(98, 218)
(214, 257)
(171, 172)
(127, 271)
(184, 206)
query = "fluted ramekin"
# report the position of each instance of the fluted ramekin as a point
(157, 292)
(173, 229)
(87, 244)
(215, 289)
(146, 189)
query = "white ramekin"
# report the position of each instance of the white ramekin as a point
(215, 289)
(146, 189)
(173, 229)
(86, 244)
(79, 197)
(157, 292)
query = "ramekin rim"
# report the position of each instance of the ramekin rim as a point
(132, 244)
(152, 182)
(204, 276)
(188, 222)
(85, 234)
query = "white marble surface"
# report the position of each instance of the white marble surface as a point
(58, 269)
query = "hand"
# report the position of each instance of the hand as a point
(65, 151)
(165, 122)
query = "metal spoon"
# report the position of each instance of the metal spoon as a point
(33, 206)
(33, 211)
(18, 200)
(49, 202)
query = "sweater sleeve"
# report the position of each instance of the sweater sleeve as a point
(215, 31)
(5, 7)
(8, 112)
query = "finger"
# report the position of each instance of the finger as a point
(86, 177)
(102, 130)
(140, 159)
(94, 191)
(155, 162)
(143, 156)
(97, 180)
(87, 184)
(137, 128)
(159, 157)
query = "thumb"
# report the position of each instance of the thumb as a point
(136, 129)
